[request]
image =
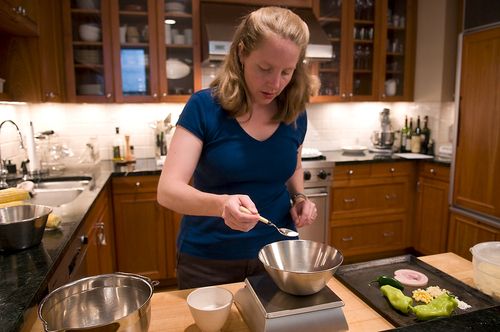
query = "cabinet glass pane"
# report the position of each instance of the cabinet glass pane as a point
(134, 48)
(395, 52)
(329, 71)
(178, 27)
(87, 48)
(363, 47)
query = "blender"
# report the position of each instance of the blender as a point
(383, 139)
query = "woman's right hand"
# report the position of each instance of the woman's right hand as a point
(234, 218)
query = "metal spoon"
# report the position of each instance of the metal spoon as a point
(283, 231)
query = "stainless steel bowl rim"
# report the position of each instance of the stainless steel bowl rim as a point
(151, 284)
(294, 271)
(47, 210)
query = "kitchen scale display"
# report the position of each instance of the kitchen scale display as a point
(265, 307)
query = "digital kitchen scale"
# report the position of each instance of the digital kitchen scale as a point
(265, 307)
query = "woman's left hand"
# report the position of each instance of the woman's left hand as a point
(304, 213)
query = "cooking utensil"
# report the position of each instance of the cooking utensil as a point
(300, 267)
(282, 230)
(108, 302)
(22, 226)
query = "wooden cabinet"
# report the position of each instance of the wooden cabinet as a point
(373, 45)
(118, 51)
(477, 161)
(100, 236)
(91, 250)
(145, 231)
(430, 229)
(465, 232)
(371, 206)
(19, 17)
(32, 63)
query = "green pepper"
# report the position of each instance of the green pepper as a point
(441, 306)
(385, 280)
(397, 299)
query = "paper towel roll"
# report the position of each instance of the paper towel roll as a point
(34, 164)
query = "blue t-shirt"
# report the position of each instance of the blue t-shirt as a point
(233, 162)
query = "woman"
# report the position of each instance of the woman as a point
(241, 143)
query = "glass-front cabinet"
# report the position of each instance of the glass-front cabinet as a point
(130, 50)
(370, 53)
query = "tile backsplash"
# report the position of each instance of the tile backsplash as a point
(330, 127)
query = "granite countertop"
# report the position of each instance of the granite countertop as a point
(24, 275)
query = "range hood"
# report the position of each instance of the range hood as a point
(219, 21)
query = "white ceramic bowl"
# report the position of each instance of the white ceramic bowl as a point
(176, 69)
(486, 267)
(90, 32)
(210, 307)
(175, 7)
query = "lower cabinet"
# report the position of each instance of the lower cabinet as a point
(145, 232)
(430, 230)
(91, 251)
(371, 208)
(465, 232)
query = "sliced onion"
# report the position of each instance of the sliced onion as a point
(411, 277)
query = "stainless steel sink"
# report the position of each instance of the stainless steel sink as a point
(59, 191)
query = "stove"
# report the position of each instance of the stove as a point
(318, 174)
(265, 307)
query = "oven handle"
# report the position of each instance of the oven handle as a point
(316, 195)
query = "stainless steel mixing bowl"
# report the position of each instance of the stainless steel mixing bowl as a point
(107, 302)
(22, 226)
(300, 267)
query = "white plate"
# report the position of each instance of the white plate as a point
(413, 156)
(310, 153)
(354, 148)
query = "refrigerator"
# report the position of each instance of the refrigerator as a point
(475, 169)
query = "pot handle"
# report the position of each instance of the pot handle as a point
(153, 283)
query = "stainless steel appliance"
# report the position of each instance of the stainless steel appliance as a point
(317, 179)
(384, 138)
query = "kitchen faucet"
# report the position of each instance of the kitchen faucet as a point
(3, 168)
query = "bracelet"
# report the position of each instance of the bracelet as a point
(298, 197)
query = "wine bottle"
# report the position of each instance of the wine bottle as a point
(425, 136)
(404, 133)
(415, 138)
(118, 146)
(409, 132)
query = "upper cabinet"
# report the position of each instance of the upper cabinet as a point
(130, 51)
(373, 50)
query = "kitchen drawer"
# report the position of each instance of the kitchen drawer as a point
(434, 171)
(138, 184)
(373, 198)
(351, 172)
(362, 238)
(392, 169)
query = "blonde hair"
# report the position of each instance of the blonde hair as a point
(229, 86)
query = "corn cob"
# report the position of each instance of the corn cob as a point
(13, 194)
(13, 203)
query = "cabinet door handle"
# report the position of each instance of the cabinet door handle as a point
(390, 196)
(101, 236)
(350, 95)
(343, 95)
(108, 95)
(392, 170)
(432, 171)
(137, 184)
(164, 94)
(155, 95)
(388, 234)
(350, 200)
(350, 172)
(347, 238)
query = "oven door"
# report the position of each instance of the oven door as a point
(318, 231)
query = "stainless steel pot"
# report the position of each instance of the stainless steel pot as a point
(108, 302)
(22, 226)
